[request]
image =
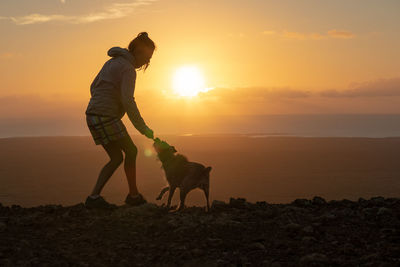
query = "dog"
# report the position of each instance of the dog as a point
(181, 173)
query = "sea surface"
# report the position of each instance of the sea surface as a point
(317, 125)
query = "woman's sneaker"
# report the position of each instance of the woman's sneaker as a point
(98, 203)
(135, 200)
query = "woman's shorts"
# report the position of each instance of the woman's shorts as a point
(105, 129)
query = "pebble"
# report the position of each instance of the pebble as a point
(314, 259)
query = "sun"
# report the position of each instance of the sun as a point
(188, 81)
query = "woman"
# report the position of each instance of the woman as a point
(111, 96)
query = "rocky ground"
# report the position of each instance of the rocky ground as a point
(305, 233)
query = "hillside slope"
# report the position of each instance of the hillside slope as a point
(304, 232)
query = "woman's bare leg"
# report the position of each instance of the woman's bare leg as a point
(114, 152)
(127, 145)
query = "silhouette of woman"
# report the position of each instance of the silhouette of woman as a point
(111, 97)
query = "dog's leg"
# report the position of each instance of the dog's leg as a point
(162, 193)
(171, 193)
(206, 189)
(183, 194)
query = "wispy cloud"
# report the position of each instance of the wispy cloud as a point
(371, 89)
(114, 11)
(377, 88)
(236, 35)
(341, 34)
(336, 34)
(268, 32)
(8, 55)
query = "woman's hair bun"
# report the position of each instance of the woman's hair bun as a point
(143, 34)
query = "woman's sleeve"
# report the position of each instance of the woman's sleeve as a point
(128, 100)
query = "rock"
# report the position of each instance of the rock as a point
(346, 202)
(197, 252)
(16, 207)
(314, 259)
(261, 203)
(378, 201)
(388, 231)
(348, 249)
(256, 246)
(308, 240)
(214, 241)
(369, 257)
(326, 217)
(302, 202)
(217, 204)
(318, 201)
(382, 211)
(238, 202)
(369, 211)
(275, 264)
(345, 212)
(308, 229)
(293, 227)
(3, 227)
(173, 222)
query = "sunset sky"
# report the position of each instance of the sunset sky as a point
(258, 56)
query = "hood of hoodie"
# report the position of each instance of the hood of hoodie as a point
(118, 51)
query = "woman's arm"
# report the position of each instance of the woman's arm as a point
(128, 101)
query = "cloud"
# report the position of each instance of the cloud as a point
(377, 88)
(268, 32)
(331, 34)
(8, 55)
(114, 11)
(257, 94)
(236, 35)
(341, 34)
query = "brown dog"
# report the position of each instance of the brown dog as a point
(181, 173)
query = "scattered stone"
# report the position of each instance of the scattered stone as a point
(238, 202)
(256, 246)
(318, 201)
(382, 211)
(292, 227)
(314, 259)
(217, 204)
(378, 201)
(3, 227)
(308, 229)
(309, 240)
(197, 252)
(302, 202)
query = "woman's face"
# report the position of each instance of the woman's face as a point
(142, 55)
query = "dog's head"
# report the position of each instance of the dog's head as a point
(163, 148)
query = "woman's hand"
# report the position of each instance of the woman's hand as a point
(149, 133)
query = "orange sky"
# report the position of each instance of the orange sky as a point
(261, 57)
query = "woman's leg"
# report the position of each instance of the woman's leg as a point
(114, 152)
(127, 145)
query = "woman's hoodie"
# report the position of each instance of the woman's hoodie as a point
(113, 88)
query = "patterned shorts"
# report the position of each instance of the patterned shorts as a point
(105, 129)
